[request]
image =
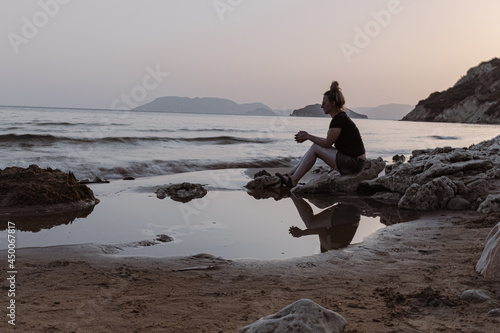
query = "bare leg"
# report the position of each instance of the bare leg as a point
(328, 155)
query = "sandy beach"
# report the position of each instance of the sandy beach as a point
(406, 277)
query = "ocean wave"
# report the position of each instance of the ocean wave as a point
(443, 137)
(161, 167)
(47, 139)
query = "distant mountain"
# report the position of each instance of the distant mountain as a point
(204, 105)
(315, 110)
(391, 111)
(475, 98)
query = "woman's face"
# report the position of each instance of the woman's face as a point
(326, 105)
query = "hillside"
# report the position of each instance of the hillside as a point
(391, 111)
(204, 105)
(315, 110)
(475, 98)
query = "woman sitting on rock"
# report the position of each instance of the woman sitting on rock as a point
(347, 156)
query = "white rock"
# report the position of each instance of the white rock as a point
(491, 204)
(302, 316)
(475, 296)
(489, 263)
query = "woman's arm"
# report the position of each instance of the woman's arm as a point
(331, 136)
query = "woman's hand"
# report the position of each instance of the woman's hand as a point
(295, 231)
(301, 136)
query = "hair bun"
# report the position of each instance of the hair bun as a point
(335, 87)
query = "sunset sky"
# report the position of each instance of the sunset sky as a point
(284, 53)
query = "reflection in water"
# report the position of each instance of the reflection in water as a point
(335, 225)
(35, 222)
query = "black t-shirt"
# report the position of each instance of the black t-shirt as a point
(349, 141)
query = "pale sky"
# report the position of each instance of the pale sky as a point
(283, 53)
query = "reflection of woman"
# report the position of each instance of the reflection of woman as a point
(347, 156)
(335, 225)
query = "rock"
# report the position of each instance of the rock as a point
(489, 263)
(129, 178)
(436, 194)
(475, 296)
(302, 316)
(164, 238)
(96, 180)
(264, 182)
(261, 173)
(335, 183)
(184, 192)
(495, 312)
(34, 188)
(490, 205)
(458, 203)
(473, 171)
(390, 198)
(398, 158)
(161, 193)
(473, 99)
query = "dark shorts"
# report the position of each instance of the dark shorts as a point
(347, 164)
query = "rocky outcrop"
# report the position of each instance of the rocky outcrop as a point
(36, 189)
(489, 263)
(335, 183)
(475, 98)
(184, 192)
(443, 178)
(303, 316)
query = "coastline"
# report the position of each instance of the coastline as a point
(405, 277)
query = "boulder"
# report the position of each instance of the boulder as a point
(489, 263)
(435, 194)
(490, 205)
(302, 316)
(335, 183)
(475, 296)
(458, 203)
(264, 182)
(495, 312)
(474, 172)
(183, 192)
(36, 189)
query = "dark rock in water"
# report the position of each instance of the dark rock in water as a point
(129, 178)
(33, 188)
(164, 238)
(261, 173)
(184, 192)
(264, 182)
(398, 158)
(96, 180)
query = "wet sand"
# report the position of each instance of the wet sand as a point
(406, 277)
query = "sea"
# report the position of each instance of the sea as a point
(116, 144)
(156, 148)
